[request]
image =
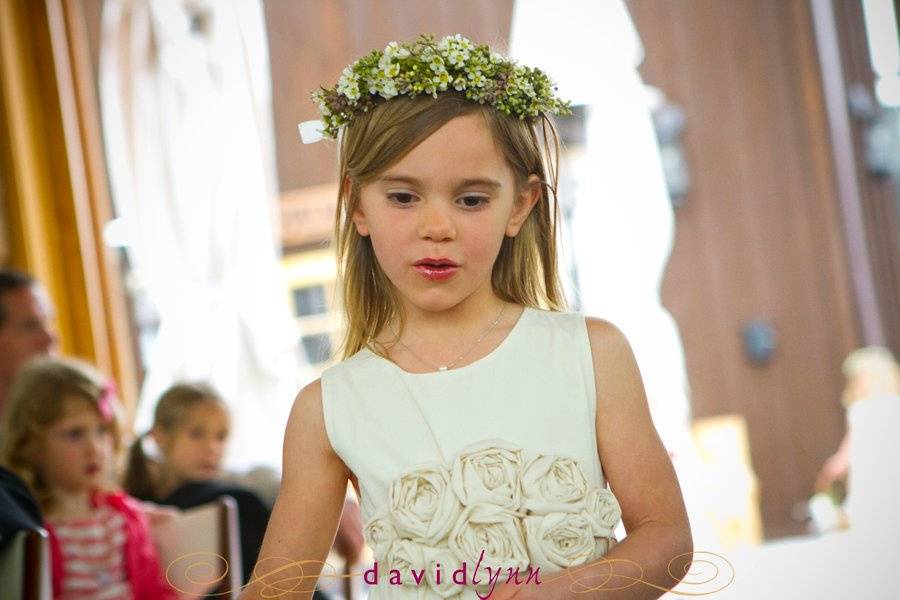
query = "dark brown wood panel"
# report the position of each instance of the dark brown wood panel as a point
(759, 235)
(882, 222)
(310, 42)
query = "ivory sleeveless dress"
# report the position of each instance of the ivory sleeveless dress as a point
(493, 464)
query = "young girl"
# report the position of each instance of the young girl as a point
(471, 413)
(190, 427)
(61, 435)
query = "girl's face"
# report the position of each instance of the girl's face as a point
(194, 451)
(452, 197)
(77, 449)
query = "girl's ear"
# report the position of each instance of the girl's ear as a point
(358, 216)
(524, 202)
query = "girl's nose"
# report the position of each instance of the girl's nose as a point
(215, 447)
(48, 339)
(435, 223)
(97, 443)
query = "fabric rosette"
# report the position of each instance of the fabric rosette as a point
(494, 530)
(552, 484)
(559, 540)
(404, 555)
(601, 508)
(488, 472)
(380, 534)
(448, 564)
(423, 506)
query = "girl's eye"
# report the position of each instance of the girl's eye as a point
(478, 200)
(401, 198)
(196, 434)
(74, 434)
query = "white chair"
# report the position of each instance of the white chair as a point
(25, 567)
(200, 551)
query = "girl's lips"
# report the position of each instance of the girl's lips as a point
(92, 469)
(436, 273)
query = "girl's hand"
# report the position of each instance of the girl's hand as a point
(528, 591)
(507, 591)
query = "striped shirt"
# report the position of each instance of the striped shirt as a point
(93, 556)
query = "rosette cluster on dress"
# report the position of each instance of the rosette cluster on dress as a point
(539, 512)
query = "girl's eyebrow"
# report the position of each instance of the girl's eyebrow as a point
(486, 181)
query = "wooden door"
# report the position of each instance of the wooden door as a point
(761, 234)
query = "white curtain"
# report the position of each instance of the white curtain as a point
(622, 222)
(186, 106)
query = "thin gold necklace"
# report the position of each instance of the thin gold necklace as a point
(461, 356)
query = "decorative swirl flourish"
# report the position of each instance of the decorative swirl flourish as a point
(605, 568)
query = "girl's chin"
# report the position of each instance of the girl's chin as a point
(207, 474)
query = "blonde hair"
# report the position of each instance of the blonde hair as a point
(525, 271)
(874, 370)
(37, 399)
(171, 412)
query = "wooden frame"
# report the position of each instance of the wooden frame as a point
(54, 175)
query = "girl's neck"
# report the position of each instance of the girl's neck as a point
(431, 348)
(461, 321)
(70, 504)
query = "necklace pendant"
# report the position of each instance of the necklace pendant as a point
(442, 368)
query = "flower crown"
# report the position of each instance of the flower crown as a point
(429, 67)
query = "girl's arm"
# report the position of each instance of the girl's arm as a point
(641, 476)
(306, 512)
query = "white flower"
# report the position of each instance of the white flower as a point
(394, 50)
(601, 508)
(457, 56)
(403, 555)
(347, 77)
(459, 84)
(442, 80)
(422, 504)
(436, 63)
(495, 531)
(552, 484)
(348, 84)
(559, 540)
(448, 563)
(389, 89)
(380, 534)
(477, 79)
(488, 472)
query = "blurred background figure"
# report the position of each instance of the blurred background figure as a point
(25, 332)
(863, 471)
(191, 426)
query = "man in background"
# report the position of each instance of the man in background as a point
(25, 332)
(25, 326)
